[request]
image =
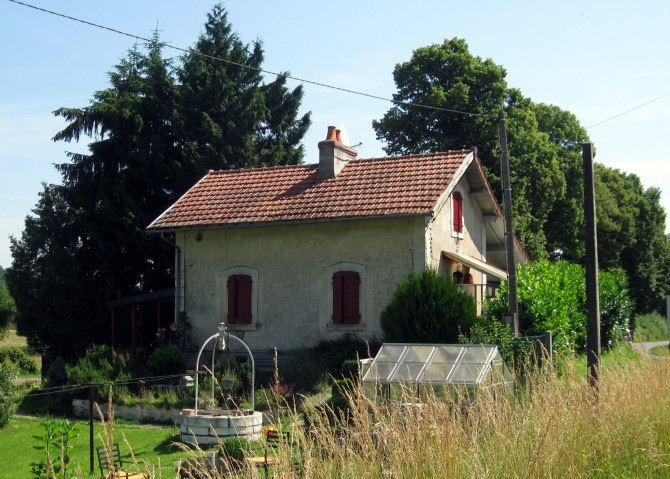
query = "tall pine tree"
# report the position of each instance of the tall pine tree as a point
(230, 118)
(155, 132)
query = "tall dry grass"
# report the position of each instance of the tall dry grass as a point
(556, 426)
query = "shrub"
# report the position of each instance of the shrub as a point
(57, 374)
(100, 364)
(307, 368)
(426, 307)
(350, 368)
(7, 310)
(8, 372)
(19, 356)
(490, 330)
(650, 327)
(166, 360)
(56, 448)
(552, 297)
(616, 307)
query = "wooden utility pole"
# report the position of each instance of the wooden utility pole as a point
(592, 290)
(509, 229)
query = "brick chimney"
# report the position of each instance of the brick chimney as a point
(333, 154)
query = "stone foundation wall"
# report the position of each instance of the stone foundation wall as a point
(137, 413)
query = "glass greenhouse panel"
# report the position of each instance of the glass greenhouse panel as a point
(447, 354)
(437, 372)
(478, 355)
(418, 354)
(390, 353)
(407, 372)
(379, 371)
(421, 367)
(467, 373)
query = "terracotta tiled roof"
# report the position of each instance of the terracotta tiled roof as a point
(396, 186)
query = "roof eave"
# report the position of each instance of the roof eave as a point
(210, 227)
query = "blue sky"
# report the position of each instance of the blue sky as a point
(596, 59)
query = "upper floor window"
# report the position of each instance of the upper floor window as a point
(346, 297)
(457, 200)
(239, 298)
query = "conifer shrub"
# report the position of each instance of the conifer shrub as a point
(166, 360)
(428, 308)
(57, 374)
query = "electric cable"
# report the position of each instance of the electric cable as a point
(260, 70)
(629, 110)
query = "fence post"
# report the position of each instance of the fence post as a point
(90, 427)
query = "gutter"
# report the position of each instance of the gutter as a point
(178, 283)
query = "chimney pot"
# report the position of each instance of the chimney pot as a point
(332, 134)
(333, 155)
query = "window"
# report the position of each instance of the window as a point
(346, 297)
(457, 200)
(239, 299)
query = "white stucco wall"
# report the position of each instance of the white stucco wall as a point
(292, 268)
(472, 242)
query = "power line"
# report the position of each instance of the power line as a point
(303, 80)
(260, 70)
(125, 382)
(629, 110)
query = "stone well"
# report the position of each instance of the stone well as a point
(212, 426)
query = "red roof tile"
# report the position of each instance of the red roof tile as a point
(402, 185)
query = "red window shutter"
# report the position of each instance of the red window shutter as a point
(230, 286)
(338, 297)
(244, 299)
(458, 211)
(239, 299)
(352, 282)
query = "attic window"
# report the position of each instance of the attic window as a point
(457, 200)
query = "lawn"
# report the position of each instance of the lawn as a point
(13, 341)
(149, 443)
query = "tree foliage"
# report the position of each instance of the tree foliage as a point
(449, 77)
(230, 118)
(156, 129)
(544, 144)
(8, 391)
(427, 308)
(552, 297)
(7, 306)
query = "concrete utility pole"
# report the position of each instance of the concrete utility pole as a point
(592, 290)
(509, 229)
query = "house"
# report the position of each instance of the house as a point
(288, 256)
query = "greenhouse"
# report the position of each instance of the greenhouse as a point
(402, 369)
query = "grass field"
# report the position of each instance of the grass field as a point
(13, 341)
(556, 425)
(149, 443)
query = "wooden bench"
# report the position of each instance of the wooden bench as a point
(111, 464)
